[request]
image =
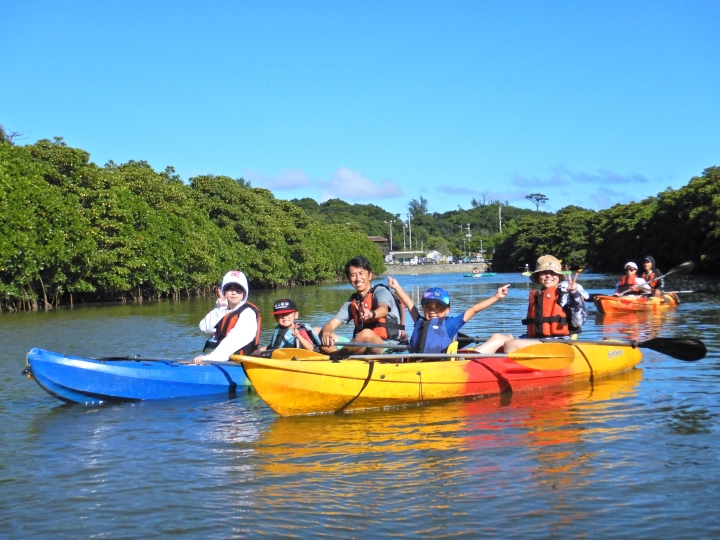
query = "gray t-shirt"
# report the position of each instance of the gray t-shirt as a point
(382, 295)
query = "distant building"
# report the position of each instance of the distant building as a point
(382, 244)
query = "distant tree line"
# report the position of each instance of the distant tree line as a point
(72, 231)
(446, 232)
(675, 226)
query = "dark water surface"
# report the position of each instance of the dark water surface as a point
(636, 456)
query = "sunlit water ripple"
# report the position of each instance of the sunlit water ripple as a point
(635, 455)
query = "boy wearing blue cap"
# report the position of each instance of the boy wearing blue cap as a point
(434, 331)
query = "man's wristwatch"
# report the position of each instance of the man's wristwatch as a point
(372, 314)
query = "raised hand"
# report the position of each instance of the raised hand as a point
(221, 301)
(502, 292)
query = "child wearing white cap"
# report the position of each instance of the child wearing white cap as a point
(631, 284)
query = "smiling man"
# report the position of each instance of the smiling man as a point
(372, 310)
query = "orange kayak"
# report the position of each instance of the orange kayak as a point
(618, 304)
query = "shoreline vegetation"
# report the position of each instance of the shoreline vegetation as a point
(72, 231)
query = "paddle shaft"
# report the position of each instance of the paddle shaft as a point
(370, 345)
(478, 356)
(167, 360)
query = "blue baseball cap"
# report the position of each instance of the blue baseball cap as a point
(436, 294)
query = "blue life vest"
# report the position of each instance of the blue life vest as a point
(282, 337)
(430, 336)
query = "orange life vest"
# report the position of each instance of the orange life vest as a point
(650, 278)
(228, 322)
(626, 283)
(545, 317)
(381, 326)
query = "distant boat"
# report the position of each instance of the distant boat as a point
(526, 274)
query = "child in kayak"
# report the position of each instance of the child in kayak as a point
(434, 330)
(288, 332)
(234, 323)
(556, 310)
(651, 273)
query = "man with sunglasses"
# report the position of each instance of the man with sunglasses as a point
(631, 284)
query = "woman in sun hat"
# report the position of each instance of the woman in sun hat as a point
(556, 310)
(234, 323)
(631, 284)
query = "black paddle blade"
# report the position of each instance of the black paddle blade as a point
(687, 349)
(464, 340)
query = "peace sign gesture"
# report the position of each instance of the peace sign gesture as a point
(572, 282)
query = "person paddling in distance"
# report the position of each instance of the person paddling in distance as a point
(372, 309)
(651, 274)
(556, 310)
(434, 330)
(630, 284)
(289, 333)
(234, 323)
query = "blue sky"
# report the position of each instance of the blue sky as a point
(591, 103)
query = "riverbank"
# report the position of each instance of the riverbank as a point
(404, 269)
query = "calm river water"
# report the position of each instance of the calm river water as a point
(636, 456)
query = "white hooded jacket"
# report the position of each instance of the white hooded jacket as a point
(242, 333)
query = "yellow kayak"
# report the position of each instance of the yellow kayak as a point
(299, 382)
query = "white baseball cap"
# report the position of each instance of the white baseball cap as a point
(237, 277)
(631, 265)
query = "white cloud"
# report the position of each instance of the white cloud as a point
(347, 184)
(285, 180)
(452, 190)
(561, 176)
(607, 197)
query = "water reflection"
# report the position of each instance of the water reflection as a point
(635, 325)
(548, 426)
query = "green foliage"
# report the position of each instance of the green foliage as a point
(564, 235)
(70, 230)
(686, 224)
(538, 199)
(418, 207)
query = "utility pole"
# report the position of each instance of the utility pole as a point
(404, 227)
(410, 229)
(391, 224)
(469, 235)
(500, 215)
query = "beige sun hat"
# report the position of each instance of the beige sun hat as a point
(547, 262)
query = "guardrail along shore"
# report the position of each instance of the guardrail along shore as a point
(406, 269)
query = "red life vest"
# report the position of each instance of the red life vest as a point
(626, 283)
(381, 326)
(228, 322)
(545, 317)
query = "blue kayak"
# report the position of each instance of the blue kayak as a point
(97, 380)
